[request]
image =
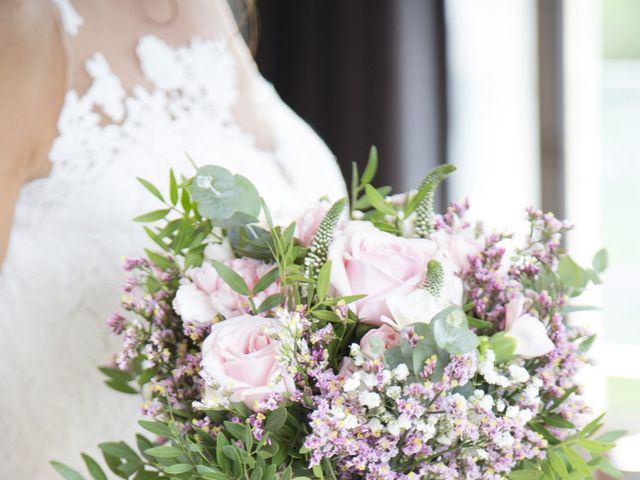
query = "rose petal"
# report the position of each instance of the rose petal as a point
(514, 310)
(531, 337)
(193, 305)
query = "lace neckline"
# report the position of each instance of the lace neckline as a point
(196, 82)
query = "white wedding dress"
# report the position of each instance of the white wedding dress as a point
(61, 278)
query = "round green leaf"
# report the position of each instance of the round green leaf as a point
(223, 197)
(451, 331)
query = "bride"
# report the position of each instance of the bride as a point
(93, 94)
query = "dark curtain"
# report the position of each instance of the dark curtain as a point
(344, 67)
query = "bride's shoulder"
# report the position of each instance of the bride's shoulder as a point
(32, 85)
(32, 76)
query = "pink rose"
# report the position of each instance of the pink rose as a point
(380, 265)
(204, 294)
(239, 357)
(459, 245)
(384, 337)
(308, 223)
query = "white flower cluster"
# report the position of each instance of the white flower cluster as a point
(515, 374)
(290, 348)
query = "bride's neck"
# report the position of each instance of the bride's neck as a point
(177, 21)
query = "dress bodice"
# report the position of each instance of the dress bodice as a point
(62, 274)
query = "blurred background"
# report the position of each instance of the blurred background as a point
(536, 101)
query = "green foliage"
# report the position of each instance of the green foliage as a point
(67, 473)
(503, 345)
(451, 331)
(357, 183)
(226, 199)
(579, 456)
(574, 279)
(448, 333)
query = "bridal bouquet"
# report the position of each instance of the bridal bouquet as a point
(369, 339)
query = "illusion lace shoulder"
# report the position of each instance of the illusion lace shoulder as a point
(61, 278)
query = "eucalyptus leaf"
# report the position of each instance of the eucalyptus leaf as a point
(600, 260)
(451, 331)
(421, 353)
(572, 275)
(223, 197)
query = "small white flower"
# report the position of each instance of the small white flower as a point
(357, 355)
(486, 402)
(394, 392)
(370, 380)
(512, 411)
(518, 374)
(459, 402)
(399, 425)
(401, 372)
(369, 399)
(352, 383)
(447, 438)
(503, 440)
(338, 412)
(486, 368)
(532, 394)
(500, 405)
(375, 425)
(525, 416)
(350, 421)
(482, 454)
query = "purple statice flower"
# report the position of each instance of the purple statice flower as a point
(116, 323)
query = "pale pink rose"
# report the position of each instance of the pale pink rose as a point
(459, 245)
(239, 356)
(307, 224)
(204, 294)
(385, 336)
(380, 265)
(528, 331)
(219, 251)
